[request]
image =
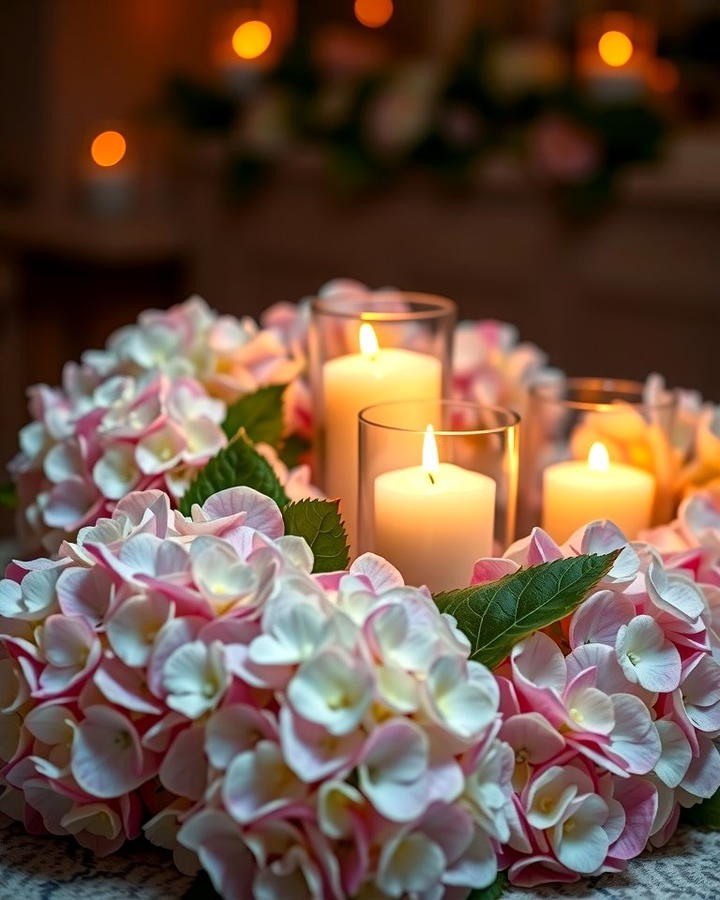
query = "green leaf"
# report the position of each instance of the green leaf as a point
(320, 523)
(238, 464)
(8, 495)
(260, 414)
(292, 448)
(495, 616)
(494, 890)
(706, 813)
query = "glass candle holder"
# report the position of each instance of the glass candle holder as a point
(368, 348)
(438, 484)
(595, 448)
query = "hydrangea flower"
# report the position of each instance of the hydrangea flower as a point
(294, 734)
(145, 412)
(491, 366)
(613, 713)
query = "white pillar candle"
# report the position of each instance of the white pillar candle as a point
(352, 382)
(577, 492)
(434, 521)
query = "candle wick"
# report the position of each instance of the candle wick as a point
(430, 476)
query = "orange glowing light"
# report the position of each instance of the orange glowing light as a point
(108, 148)
(373, 13)
(251, 39)
(615, 48)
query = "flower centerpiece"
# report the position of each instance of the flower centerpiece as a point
(200, 662)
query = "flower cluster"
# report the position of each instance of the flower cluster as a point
(490, 365)
(294, 734)
(612, 715)
(145, 412)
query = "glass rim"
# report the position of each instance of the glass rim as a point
(437, 307)
(622, 388)
(512, 418)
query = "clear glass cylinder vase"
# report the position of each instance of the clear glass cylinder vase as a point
(596, 448)
(368, 348)
(438, 484)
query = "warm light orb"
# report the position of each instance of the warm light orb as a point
(598, 457)
(251, 39)
(615, 48)
(368, 341)
(108, 148)
(430, 459)
(373, 13)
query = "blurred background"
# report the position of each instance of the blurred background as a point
(547, 163)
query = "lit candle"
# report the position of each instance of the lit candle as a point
(615, 55)
(108, 183)
(248, 54)
(435, 520)
(352, 382)
(577, 492)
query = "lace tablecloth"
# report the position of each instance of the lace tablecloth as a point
(33, 868)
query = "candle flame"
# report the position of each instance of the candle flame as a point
(368, 341)
(373, 13)
(598, 457)
(108, 148)
(251, 39)
(615, 48)
(430, 460)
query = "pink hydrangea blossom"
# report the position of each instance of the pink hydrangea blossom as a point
(491, 366)
(288, 732)
(612, 715)
(145, 412)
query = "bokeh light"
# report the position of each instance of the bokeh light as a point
(615, 48)
(251, 39)
(373, 13)
(108, 148)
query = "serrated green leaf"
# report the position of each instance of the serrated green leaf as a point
(496, 616)
(320, 523)
(8, 495)
(260, 414)
(706, 813)
(494, 890)
(238, 464)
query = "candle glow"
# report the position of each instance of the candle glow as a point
(373, 13)
(615, 48)
(598, 457)
(434, 520)
(251, 39)
(576, 492)
(352, 382)
(430, 459)
(108, 148)
(367, 339)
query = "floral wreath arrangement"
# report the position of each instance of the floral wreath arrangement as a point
(198, 661)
